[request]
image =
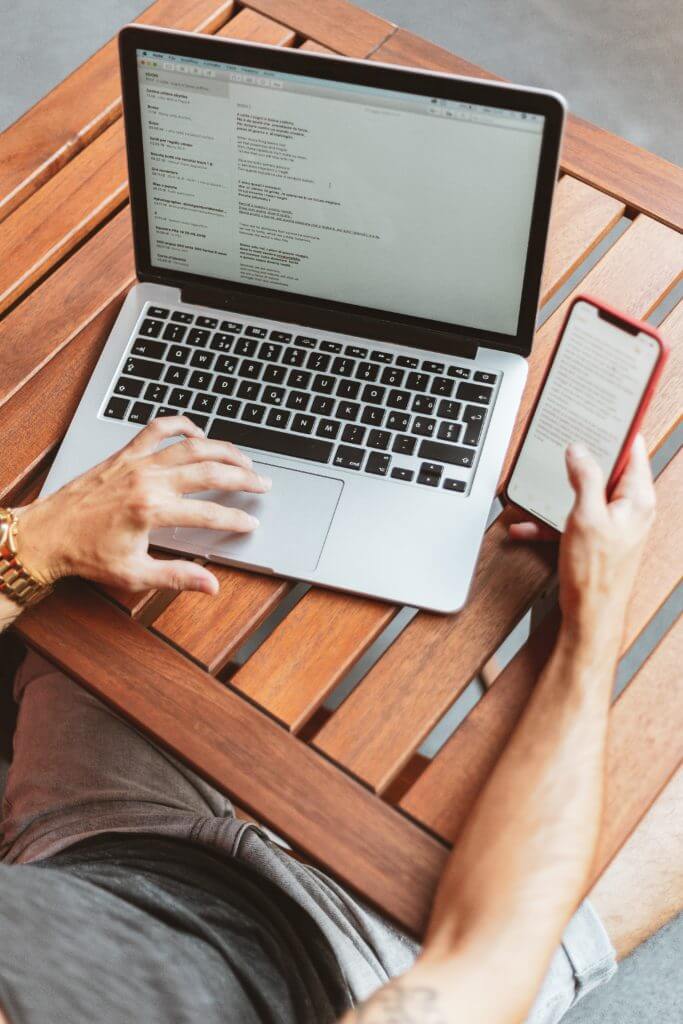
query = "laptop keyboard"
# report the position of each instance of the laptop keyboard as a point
(420, 421)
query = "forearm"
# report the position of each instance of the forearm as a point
(9, 611)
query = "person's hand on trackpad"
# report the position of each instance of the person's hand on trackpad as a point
(98, 525)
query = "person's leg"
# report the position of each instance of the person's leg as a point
(642, 889)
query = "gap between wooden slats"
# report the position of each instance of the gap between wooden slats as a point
(325, 635)
(339, 25)
(257, 29)
(435, 657)
(69, 117)
(442, 796)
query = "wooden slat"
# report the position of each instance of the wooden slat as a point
(326, 815)
(210, 629)
(297, 666)
(66, 120)
(442, 796)
(638, 178)
(290, 678)
(335, 23)
(436, 656)
(312, 47)
(257, 29)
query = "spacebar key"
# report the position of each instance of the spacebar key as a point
(271, 440)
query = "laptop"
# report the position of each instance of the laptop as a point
(338, 269)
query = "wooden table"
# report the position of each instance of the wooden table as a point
(345, 788)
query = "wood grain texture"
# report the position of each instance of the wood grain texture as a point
(435, 657)
(310, 46)
(310, 652)
(66, 120)
(368, 845)
(335, 23)
(254, 27)
(634, 176)
(210, 629)
(445, 792)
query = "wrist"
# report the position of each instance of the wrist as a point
(39, 543)
(591, 643)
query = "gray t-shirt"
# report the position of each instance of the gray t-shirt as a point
(130, 929)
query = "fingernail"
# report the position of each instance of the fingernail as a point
(265, 482)
(253, 521)
(577, 450)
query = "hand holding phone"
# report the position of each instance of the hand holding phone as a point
(597, 388)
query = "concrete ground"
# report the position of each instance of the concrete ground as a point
(618, 64)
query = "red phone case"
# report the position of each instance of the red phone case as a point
(657, 369)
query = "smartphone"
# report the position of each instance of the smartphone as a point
(598, 385)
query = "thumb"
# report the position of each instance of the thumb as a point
(586, 478)
(180, 575)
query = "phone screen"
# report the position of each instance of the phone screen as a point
(591, 394)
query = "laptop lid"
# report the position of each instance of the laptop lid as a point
(353, 196)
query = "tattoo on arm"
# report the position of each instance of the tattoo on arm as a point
(399, 1003)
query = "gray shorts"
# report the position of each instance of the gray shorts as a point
(80, 770)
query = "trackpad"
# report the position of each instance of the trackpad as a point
(295, 517)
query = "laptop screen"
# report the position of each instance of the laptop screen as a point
(393, 201)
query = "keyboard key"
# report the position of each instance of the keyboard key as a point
(472, 433)
(202, 360)
(353, 434)
(150, 328)
(298, 379)
(226, 364)
(156, 392)
(126, 386)
(475, 393)
(298, 400)
(348, 389)
(311, 448)
(231, 327)
(280, 336)
(146, 368)
(322, 406)
(304, 341)
(174, 332)
(373, 416)
(269, 351)
(442, 386)
(278, 418)
(417, 381)
(344, 367)
(158, 311)
(245, 347)
(255, 332)
(407, 361)
(459, 371)
(274, 374)
(204, 403)
(253, 413)
(150, 349)
(251, 369)
(182, 318)
(330, 346)
(116, 408)
(450, 484)
(381, 357)
(355, 352)
(430, 474)
(224, 385)
(449, 410)
(398, 399)
(423, 403)
(293, 357)
(347, 457)
(378, 463)
(399, 473)
(180, 397)
(140, 413)
(166, 410)
(474, 414)
(367, 371)
(302, 423)
(318, 361)
(176, 374)
(484, 377)
(323, 383)
(404, 444)
(379, 439)
(449, 431)
(348, 410)
(423, 426)
(198, 418)
(429, 367)
(392, 376)
(273, 396)
(373, 394)
(398, 421)
(178, 354)
(207, 321)
(200, 380)
(196, 337)
(248, 389)
(328, 428)
(222, 342)
(450, 453)
(229, 407)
